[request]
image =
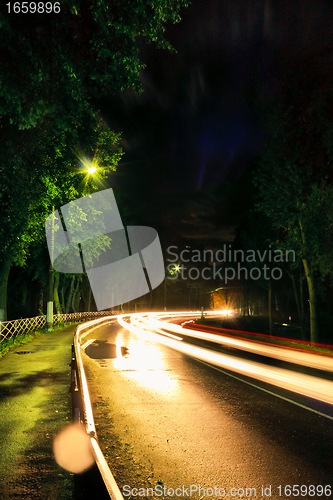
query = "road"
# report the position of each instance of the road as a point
(164, 418)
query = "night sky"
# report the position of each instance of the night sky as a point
(190, 137)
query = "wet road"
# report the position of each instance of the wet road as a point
(164, 418)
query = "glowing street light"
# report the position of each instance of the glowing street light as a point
(89, 166)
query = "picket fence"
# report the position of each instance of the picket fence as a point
(11, 329)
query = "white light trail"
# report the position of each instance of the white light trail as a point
(309, 359)
(300, 383)
(86, 344)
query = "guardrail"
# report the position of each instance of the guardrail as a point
(10, 329)
(82, 409)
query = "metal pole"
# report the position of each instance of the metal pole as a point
(49, 313)
(165, 293)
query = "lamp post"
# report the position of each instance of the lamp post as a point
(172, 271)
(49, 312)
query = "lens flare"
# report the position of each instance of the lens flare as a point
(72, 449)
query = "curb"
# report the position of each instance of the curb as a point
(82, 409)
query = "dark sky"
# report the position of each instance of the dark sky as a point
(190, 136)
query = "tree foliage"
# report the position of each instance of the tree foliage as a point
(295, 177)
(55, 65)
(54, 70)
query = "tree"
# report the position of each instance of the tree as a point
(54, 69)
(295, 177)
(50, 178)
(56, 65)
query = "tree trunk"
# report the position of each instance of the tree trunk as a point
(270, 308)
(301, 300)
(24, 296)
(260, 304)
(86, 294)
(41, 303)
(77, 297)
(74, 298)
(70, 295)
(89, 299)
(298, 305)
(312, 301)
(62, 292)
(56, 293)
(49, 313)
(4, 274)
(312, 290)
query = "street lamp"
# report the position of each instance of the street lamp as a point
(89, 166)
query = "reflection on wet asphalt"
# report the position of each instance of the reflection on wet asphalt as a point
(162, 415)
(100, 349)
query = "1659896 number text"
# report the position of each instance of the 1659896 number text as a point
(33, 7)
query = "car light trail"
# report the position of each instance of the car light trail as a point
(300, 383)
(300, 357)
(147, 325)
(311, 360)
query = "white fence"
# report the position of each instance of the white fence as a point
(10, 329)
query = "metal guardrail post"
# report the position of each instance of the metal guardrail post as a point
(87, 414)
(76, 404)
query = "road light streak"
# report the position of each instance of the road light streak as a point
(299, 383)
(86, 344)
(302, 358)
(149, 322)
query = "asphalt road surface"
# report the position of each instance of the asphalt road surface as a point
(185, 429)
